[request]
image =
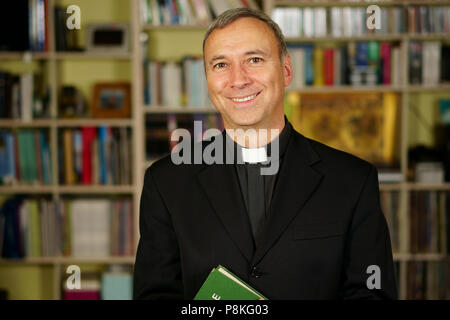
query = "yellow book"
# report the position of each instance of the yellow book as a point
(318, 67)
(69, 173)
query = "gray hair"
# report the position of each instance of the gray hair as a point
(232, 15)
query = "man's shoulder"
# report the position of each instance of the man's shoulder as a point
(332, 159)
(167, 168)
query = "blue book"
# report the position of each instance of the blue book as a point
(174, 18)
(116, 286)
(308, 50)
(77, 148)
(362, 54)
(102, 140)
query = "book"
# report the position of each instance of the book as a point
(221, 284)
(116, 285)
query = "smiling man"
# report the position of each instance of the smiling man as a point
(311, 230)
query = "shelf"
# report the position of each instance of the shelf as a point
(413, 186)
(63, 189)
(32, 189)
(94, 122)
(95, 189)
(92, 55)
(431, 88)
(420, 256)
(345, 88)
(4, 55)
(164, 109)
(14, 123)
(70, 260)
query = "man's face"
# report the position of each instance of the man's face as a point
(245, 76)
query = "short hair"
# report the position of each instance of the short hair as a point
(229, 16)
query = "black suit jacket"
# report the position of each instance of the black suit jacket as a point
(324, 229)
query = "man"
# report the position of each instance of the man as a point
(312, 230)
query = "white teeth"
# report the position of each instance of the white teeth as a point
(245, 99)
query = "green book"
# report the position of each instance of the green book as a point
(221, 284)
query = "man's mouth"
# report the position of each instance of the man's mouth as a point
(247, 98)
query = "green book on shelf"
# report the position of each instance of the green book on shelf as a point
(221, 284)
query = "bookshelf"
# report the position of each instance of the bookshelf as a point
(189, 43)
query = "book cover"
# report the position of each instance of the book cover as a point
(328, 66)
(318, 67)
(116, 286)
(221, 284)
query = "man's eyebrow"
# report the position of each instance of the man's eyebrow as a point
(256, 51)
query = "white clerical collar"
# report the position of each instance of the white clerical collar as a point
(254, 155)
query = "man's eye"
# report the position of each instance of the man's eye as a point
(219, 65)
(255, 59)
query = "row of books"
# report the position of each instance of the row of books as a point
(91, 155)
(428, 218)
(25, 157)
(30, 23)
(77, 228)
(361, 63)
(187, 12)
(65, 39)
(426, 229)
(116, 283)
(390, 205)
(176, 84)
(352, 21)
(23, 96)
(427, 280)
(158, 129)
(429, 62)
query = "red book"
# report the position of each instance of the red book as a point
(88, 136)
(385, 53)
(82, 295)
(328, 67)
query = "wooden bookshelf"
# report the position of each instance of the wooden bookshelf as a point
(52, 59)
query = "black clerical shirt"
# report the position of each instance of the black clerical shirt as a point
(257, 189)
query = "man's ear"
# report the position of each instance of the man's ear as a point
(287, 69)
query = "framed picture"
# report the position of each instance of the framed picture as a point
(111, 100)
(363, 124)
(108, 38)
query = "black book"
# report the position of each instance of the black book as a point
(445, 63)
(60, 29)
(14, 14)
(415, 62)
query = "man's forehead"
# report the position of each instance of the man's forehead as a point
(223, 54)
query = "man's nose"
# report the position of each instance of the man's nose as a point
(239, 77)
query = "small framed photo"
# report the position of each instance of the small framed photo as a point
(108, 38)
(112, 100)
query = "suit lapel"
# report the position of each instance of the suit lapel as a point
(296, 183)
(221, 185)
